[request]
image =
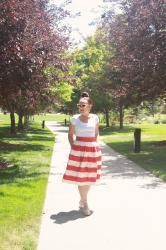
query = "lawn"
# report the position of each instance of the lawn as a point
(153, 145)
(52, 117)
(25, 160)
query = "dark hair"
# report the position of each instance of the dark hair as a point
(86, 96)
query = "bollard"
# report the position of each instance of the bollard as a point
(43, 124)
(137, 140)
(65, 121)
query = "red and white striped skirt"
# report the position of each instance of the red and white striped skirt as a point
(84, 164)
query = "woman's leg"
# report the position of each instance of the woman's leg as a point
(83, 190)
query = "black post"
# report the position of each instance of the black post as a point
(137, 140)
(43, 124)
(65, 121)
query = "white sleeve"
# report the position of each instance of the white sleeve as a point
(96, 119)
(73, 120)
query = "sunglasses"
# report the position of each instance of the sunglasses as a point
(81, 105)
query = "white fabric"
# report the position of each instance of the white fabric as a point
(84, 164)
(83, 129)
(81, 175)
(88, 144)
(85, 154)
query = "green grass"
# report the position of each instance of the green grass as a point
(52, 117)
(22, 184)
(153, 153)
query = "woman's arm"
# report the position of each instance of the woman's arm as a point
(71, 134)
(97, 131)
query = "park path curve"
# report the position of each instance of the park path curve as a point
(129, 206)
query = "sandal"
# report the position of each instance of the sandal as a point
(86, 211)
(84, 208)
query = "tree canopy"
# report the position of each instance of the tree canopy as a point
(138, 37)
(31, 38)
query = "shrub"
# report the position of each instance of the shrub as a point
(156, 121)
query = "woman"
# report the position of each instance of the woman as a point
(84, 164)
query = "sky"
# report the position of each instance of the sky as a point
(82, 25)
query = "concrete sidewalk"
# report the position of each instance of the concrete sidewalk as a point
(129, 206)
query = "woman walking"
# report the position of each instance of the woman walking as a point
(84, 163)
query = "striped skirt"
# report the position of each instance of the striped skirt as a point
(84, 163)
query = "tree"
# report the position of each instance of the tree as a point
(30, 39)
(88, 67)
(105, 81)
(137, 35)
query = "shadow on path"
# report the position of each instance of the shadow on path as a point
(117, 166)
(64, 217)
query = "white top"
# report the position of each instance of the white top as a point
(83, 129)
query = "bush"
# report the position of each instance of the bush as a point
(156, 121)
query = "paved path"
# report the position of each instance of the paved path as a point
(129, 206)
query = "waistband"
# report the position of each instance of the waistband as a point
(86, 139)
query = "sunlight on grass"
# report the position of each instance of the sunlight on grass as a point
(23, 184)
(152, 156)
(52, 117)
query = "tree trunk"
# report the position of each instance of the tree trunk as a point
(26, 121)
(107, 117)
(20, 122)
(12, 126)
(121, 116)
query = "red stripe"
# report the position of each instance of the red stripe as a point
(86, 139)
(85, 148)
(79, 179)
(84, 159)
(85, 169)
